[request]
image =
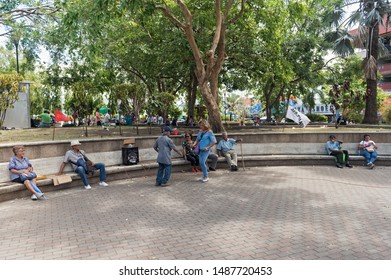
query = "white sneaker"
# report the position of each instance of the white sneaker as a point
(103, 184)
(40, 196)
(34, 197)
(200, 179)
(205, 179)
(88, 187)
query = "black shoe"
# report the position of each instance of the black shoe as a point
(349, 165)
(212, 169)
(232, 167)
(339, 165)
(235, 168)
(165, 185)
(157, 185)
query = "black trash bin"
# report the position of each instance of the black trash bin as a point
(130, 155)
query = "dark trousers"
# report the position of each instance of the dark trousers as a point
(194, 161)
(213, 160)
(163, 173)
(339, 156)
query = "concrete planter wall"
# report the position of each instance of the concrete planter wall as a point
(47, 156)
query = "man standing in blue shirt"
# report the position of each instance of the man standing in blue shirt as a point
(226, 149)
(163, 146)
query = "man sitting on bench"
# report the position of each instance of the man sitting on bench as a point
(333, 148)
(226, 149)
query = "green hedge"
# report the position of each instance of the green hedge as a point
(317, 118)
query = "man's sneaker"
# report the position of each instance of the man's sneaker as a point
(103, 184)
(349, 165)
(205, 179)
(40, 196)
(232, 167)
(165, 185)
(370, 165)
(88, 187)
(339, 165)
(212, 169)
(34, 197)
(235, 168)
(200, 179)
(158, 184)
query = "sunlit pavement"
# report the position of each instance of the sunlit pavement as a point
(301, 212)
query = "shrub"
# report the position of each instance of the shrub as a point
(317, 118)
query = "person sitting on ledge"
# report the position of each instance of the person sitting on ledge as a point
(78, 160)
(20, 168)
(369, 150)
(226, 149)
(333, 148)
(189, 154)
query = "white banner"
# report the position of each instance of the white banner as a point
(297, 117)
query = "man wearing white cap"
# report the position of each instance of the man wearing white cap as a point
(78, 160)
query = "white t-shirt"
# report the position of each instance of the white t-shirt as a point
(368, 145)
(107, 118)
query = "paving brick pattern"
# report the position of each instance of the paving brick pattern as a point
(295, 212)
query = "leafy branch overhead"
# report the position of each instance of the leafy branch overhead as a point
(11, 12)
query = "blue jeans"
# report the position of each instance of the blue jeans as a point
(203, 156)
(163, 173)
(82, 173)
(370, 157)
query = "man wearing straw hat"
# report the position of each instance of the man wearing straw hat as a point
(78, 160)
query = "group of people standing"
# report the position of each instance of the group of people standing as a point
(196, 152)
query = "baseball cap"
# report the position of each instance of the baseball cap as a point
(167, 128)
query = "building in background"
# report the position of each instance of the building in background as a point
(19, 115)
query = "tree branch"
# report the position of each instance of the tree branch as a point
(219, 22)
(44, 10)
(185, 12)
(236, 18)
(139, 75)
(171, 17)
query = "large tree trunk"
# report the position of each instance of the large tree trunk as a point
(213, 109)
(370, 116)
(208, 66)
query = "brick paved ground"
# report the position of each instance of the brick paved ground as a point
(261, 213)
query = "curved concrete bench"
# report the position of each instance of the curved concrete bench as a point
(259, 149)
(9, 190)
